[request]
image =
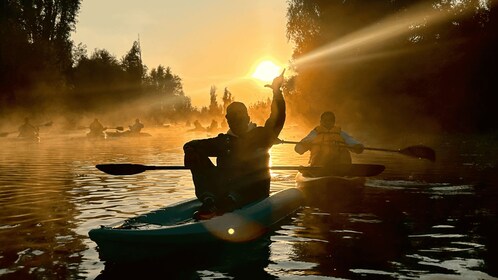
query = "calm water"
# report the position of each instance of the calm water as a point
(417, 220)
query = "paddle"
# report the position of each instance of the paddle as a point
(417, 151)
(4, 134)
(131, 169)
(120, 128)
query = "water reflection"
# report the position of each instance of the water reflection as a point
(417, 220)
(239, 261)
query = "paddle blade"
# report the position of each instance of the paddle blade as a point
(122, 168)
(419, 151)
(4, 134)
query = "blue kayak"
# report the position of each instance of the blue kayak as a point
(172, 228)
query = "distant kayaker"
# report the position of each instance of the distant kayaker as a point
(96, 129)
(242, 174)
(136, 127)
(27, 130)
(213, 126)
(329, 146)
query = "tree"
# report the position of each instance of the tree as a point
(97, 82)
(431, 71)
(35, 48)
(132, 65)
(227, 99)
(214, 109)
(167, 89)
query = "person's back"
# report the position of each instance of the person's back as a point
(96, 129)
(27, 130)
(242, 154)
(136, 127)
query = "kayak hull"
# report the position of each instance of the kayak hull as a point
(127, 134)
(331, 191)
(162, 232)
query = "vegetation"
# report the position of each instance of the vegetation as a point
(432, 76)
(42, 72)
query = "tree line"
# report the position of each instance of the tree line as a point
(42, 72)
(434, 76)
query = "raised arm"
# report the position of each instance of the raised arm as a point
(277, 116)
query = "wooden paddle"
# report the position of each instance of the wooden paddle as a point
(364, 170)
(417, 151)
(4, 134)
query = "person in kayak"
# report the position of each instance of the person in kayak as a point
(329, 146)
(136, 127)
(96, 129)
(27, 130)
(242, 173)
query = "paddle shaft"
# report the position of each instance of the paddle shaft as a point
(345, 146)
(4, 134)
(417, 151)
(131, 169)
(179, 167)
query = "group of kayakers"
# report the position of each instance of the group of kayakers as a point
(241, 174)
(97, 130)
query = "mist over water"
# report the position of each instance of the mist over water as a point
(393, 80)
(417, 219)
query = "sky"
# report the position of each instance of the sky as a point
(207, 43)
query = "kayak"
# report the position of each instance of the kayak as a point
(341, 189)
(127, 134)
(34, 139)
(94, 136)
(354, 175)
(160, 233)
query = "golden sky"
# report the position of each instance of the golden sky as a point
(215, 42)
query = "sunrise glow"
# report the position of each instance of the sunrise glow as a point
(266, 71)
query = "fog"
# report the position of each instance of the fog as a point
(392, 73)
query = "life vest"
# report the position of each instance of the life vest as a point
(329, 148)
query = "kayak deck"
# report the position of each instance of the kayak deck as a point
(171, 228)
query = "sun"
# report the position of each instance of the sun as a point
(266, 71)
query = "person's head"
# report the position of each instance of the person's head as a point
(327, 119)
(237, 117)
(137, 120)
(26, 120)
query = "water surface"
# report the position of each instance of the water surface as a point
(416, 220)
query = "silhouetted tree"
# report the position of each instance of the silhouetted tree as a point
(132, 65)
(427, 76)
(35, 49)
(98, 82)
(166, 90)
(227, 99)
(214, 109)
